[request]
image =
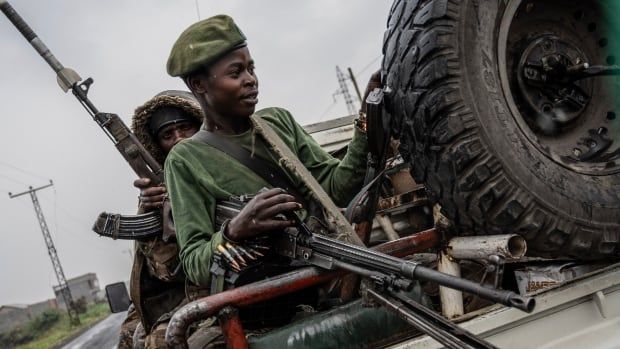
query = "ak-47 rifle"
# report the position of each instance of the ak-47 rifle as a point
(141, 161)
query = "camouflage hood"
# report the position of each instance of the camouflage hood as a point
(142, 115)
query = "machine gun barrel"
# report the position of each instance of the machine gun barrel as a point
(377, 261)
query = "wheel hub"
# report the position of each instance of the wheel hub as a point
(555, 57)
(542, 75)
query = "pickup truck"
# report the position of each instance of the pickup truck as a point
(502, 117)
(577, 302)
(504, 113)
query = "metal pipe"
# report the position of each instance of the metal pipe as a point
(232, 328)
(276, 286)
(386, 225)
(239, 297)
(451, 299)
(415, 243)
(509, 246)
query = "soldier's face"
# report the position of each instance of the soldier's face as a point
(231, 86)
(172, 134)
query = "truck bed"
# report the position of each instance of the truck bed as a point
(580, 313)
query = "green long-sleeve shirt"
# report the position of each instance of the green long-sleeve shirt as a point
(198, 175)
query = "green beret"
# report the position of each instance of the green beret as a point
(203, 43)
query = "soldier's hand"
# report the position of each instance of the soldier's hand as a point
(259, 215)
(151, 196)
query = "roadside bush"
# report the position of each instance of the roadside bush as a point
(34, 328)
(44, 321)
(15, 337)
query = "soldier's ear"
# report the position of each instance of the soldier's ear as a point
(197, 83)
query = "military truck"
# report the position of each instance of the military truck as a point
(577, 301)
(505, 120)
(505, 112)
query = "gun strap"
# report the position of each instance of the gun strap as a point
(335, 217)
(353, 213)
(272, 175)
(363, 206)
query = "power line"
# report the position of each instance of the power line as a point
(197, 9)
(328, 109)
(368, 65)
(13, 179)
(360, 71)
(78, 221)
(22, 170)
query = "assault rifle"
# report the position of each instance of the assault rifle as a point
(389, 275)
(138, 158)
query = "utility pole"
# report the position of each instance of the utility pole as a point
(354, 81)
(344, 90)
(51, 250)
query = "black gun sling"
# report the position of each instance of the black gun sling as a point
(272, 175)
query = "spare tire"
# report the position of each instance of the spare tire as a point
(499, 117)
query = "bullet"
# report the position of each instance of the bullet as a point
(230, 258)
(236, 254)
(260, 247)
(255, 252)
(246, 253)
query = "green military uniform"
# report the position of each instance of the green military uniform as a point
(198, 175)
(157, 284)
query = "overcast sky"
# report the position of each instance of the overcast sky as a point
(123, 45)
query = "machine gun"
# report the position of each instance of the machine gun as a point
(139, 159)
(389, 275)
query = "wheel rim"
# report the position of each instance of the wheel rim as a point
(542, 48)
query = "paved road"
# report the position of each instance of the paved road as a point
(104, 335)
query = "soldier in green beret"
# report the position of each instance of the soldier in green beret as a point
(213, 59)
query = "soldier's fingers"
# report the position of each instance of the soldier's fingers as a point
(275, 224)
(150, 205)
(276, 199)
(269, 193)
(274, 210)
(141, 183)
(152, 198)
(153, 191)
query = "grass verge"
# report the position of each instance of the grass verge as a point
(63, 330)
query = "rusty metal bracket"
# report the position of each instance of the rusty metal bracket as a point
(413, 198)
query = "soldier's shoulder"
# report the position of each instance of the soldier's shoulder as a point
(181, 149)
(278, 118)
(273, 113)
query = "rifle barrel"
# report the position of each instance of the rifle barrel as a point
(433, 324)
(30, 35)
(384, 263)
